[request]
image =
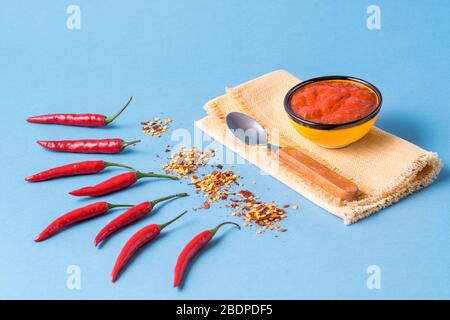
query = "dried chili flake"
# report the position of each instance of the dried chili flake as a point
(215, 186)
(205, 205)
(156, 126)
(188, 161)
(245, 194)
(263, 214)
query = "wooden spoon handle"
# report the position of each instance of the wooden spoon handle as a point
(318, 174)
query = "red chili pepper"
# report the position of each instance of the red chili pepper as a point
(77, 215)
(81, 120)
(139, 239)
(191, 249)
(116, 183)
(88, 145)
(74, 169)
(131, 215)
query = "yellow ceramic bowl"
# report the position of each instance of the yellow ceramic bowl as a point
(334, 135)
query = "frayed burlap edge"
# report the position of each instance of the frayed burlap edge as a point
(419, 175)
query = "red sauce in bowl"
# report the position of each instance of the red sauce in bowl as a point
(333, 102)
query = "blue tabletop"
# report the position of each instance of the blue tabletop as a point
(172, 59)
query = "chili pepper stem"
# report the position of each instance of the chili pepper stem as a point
(184, 194)
(155, 175)
(162, 226)
(214, 230)
(129, 143)
(110, 205)
(111, 119)
(112, 164)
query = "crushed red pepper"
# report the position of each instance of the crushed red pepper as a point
(156, 126)
(187, 161)
(215, 185)
(264, 214)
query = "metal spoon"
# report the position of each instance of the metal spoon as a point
(251, 132)
(248, 130)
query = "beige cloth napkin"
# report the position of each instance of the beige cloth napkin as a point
(385, 167)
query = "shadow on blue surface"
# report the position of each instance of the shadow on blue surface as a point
(136, 256)
(406, 127)
(443, 176)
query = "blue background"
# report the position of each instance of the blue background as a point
(173, 58)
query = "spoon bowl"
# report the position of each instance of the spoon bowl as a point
(246, 129)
